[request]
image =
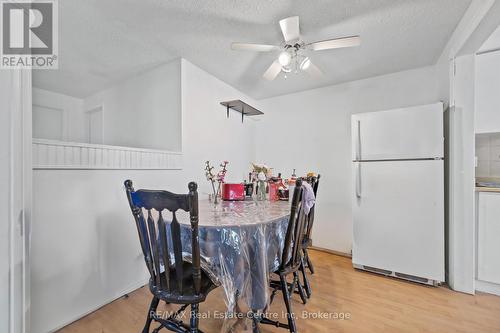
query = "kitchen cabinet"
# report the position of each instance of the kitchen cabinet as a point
(487, 82)
(488, 237)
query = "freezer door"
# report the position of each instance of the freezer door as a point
(409, 133)
(398, 217)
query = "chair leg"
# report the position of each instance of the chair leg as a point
(309, 262)
(194, 318)
(255, 322)
(302, 294)
(152, 309)
(288, 304)
(291, 286)
(307, 285)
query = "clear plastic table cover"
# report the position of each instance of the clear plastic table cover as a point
(242, 242)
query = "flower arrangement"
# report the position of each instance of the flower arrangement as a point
(221, 175)
(210, 176)
(260, 173)
(213, 178)
(257, 168)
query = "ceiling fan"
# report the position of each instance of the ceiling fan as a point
(291, 57)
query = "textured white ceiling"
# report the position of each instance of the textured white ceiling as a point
(105, 41)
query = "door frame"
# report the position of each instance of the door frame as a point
(19, 165)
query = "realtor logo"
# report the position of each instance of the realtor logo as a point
(29, 34)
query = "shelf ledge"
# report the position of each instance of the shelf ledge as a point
(241, 107)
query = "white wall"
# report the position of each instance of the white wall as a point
(84, 242)
(207, 133)
(492, 43)
(310, 131)
(143, 111)
(72, 113)
(85, 250)
(443, 79)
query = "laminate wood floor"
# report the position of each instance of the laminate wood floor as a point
(368, 303)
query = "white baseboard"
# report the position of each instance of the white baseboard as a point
(488, 287)
(337, 253)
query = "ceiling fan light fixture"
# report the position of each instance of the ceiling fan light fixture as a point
(292, 57)
(305, 64)
(285, 58)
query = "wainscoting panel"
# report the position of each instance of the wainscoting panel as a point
(50, 154)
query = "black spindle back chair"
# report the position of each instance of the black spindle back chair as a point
(307, 241)
(291, 259)
(177, 281)
(314, 181)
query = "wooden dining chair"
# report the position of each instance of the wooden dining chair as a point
(307, 241)
(314, 181)
(178, 281)
(291, 260)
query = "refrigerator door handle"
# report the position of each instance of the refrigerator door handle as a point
(358, 142)
(358, 180)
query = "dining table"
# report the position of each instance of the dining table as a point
(240, 244)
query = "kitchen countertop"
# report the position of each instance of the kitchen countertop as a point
(487, 180)
(487, 189)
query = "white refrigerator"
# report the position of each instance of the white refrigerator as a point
(398, 193)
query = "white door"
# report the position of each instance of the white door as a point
(409, 133)
(398, 212)
(94, 123)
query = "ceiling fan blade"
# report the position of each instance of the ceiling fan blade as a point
(313, 70)
(272, 71)
(254, 47)
(290, 28)
(335, 43)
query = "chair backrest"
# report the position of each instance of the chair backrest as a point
(315, 184)
(292, 250)
(153, 234)
(314, 181)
